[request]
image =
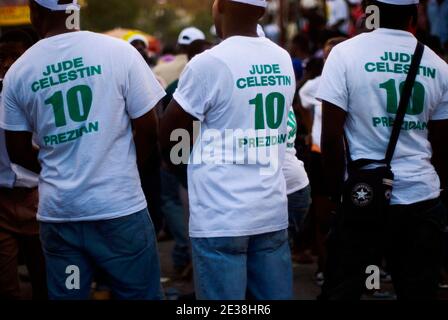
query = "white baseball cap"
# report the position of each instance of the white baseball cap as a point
(258, 3)
(54, 5)
(309, 4)
(134, 36)
(188, 35)
(400, 2)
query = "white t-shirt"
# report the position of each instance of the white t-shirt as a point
(338, 10)
(7, 176)
(293, 169)
(242, 84)
(308, 94)
(78, 93)
(362, 76)
(12, 175)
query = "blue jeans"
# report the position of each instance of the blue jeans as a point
(176, 219)
(124, 250)
(235, 268)
(298, 206)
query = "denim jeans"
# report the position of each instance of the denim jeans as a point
(235, 268)
(124, 250)
(175, 217)
(298, 205)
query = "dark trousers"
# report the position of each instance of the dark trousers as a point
(411, 241)
(19, 236)
(11, 244)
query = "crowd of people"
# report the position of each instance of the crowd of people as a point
(90, 127)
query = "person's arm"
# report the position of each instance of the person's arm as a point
(334, 94)
(174, 118)
(145, 138)
(437, 132)
(143, 95)
(333, 150)
(190, 103)
(21, 151)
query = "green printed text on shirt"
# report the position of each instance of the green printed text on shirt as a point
(397, 62)
(63, 72)
(71, 135)
(266, 75)
(268, 141)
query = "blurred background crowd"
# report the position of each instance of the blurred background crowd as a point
(314, 20)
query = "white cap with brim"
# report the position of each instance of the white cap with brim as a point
(136, 36)
(54, 5)
(258, 3)
(188, 35)
(400, 2)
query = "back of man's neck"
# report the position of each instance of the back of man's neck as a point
(394, 27)
(241, 34)
(249, 31)
(55, 32)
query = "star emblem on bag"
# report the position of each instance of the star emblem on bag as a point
(362, 195)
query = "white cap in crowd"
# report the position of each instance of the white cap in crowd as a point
(309, 4)
(54, 5)
(188, 35)
(400, 2)
(258, 3)
(134, 36)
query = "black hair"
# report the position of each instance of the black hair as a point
(168, 49)
(54, 14)
(197, 47)
(314, 67)
(18, 36)
(395, 16)
(301, 41)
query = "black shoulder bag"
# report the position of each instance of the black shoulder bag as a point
(367, 192)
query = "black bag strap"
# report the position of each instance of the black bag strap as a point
(404, 102)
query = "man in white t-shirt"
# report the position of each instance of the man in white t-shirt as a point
(238, 203)
(360, 90)
(82, 94)
(338, 15)
(310, 102)
(297, 183)
(170, 71)
(322, 206)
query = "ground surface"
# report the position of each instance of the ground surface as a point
(305, 287)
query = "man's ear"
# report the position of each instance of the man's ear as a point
(262, 12)
(414, 19)
(221, 6)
